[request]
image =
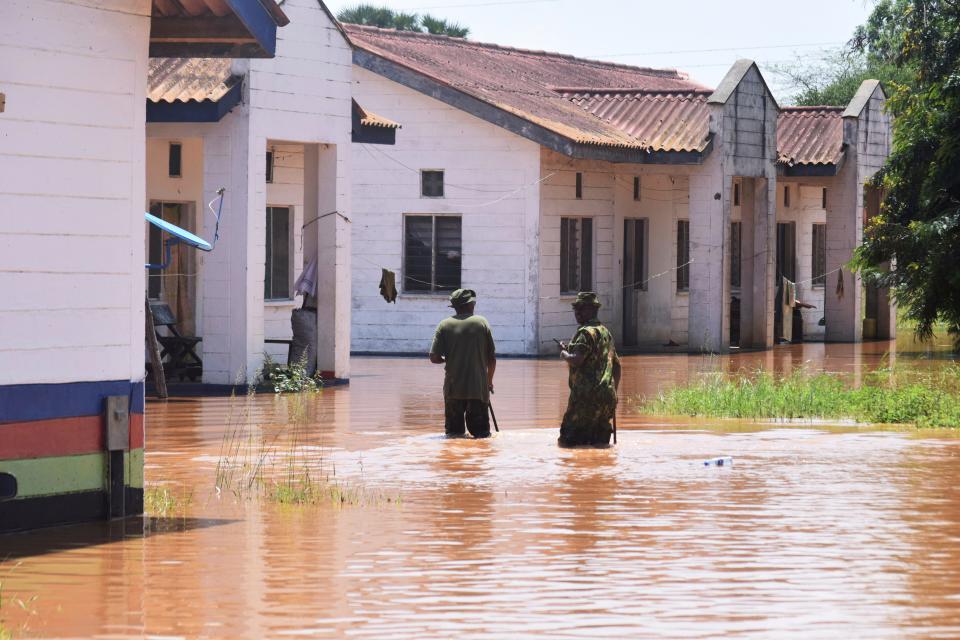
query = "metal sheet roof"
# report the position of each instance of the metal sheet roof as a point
(522, 82)
(810, 135)
(217, 8)
(189, 79)
(659, 121)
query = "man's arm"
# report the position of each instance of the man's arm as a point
(436, 349)
(436, 358)
(491, 368)
(616, 370)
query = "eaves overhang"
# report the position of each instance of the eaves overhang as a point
(215, 28)
(517, 124)
(195, 110)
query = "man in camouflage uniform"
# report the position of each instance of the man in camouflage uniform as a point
(594, 378)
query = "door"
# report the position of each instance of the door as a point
(634, 269)
(176, 284)
(786, 268)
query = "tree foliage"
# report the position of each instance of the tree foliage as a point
(374, 16)
(918, 228)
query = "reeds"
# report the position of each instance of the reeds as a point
(27, 606)
(164, 502)
(923, 396)
(283, 461)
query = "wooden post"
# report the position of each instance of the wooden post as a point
(159, 378)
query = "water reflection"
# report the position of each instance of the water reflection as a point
(828, 533)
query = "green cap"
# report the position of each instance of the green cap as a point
(586, 299)
(461, 297)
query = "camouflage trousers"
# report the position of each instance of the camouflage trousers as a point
(587, 420)
(466, 415)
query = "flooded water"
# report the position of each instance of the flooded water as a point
(815, 531)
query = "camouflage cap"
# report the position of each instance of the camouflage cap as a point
(586, 299)
(462, 296)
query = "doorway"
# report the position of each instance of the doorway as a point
(175, 285)
(634, 274)
(786, 268)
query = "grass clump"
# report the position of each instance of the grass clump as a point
(284, 462)
(163, 502)
(925, 398)
(292, 378)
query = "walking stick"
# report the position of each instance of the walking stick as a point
(494, 416)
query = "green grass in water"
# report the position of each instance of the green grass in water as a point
(925, 398)
(164, 502)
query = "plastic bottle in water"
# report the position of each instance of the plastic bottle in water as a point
(722, 461)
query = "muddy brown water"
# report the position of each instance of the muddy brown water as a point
(816, 531)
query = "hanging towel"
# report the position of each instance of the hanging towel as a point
(839, 283)
(791, 288)
(306, 284)
(388, 285)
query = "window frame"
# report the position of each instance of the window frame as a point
(578, 186)
(423, 184)
(736, 193)
(736, 258)
(683, 260)
(270, 163)
(434, 290)
(156, 208)
(637, 189)
(584, 246)
(818, 280)
(786, 196)
(290, 253)
(179, 147)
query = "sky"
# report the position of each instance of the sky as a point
(701, 37)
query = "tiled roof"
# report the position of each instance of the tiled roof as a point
(659, 121)
(810, 135)
(525, 83)
(186, 79)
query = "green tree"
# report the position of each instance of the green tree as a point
(386, 18)
(918, 228)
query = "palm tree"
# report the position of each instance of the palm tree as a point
(439, 26)
(386, 18)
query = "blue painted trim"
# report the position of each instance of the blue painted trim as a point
(194, 111)
(258, 21)
(26, 402)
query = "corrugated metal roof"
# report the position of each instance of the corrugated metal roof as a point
(186, 79)
(658, 121)
(810, 135)
(521, 81)
(369, 119)
(218, 8)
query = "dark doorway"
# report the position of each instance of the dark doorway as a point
(786, 268)
(634, 274)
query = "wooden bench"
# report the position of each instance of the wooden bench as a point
(180, 350)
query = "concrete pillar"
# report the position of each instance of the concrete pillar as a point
(709, 210)
(231, 290)
(326, 209)
(757, 263)
(844, 233)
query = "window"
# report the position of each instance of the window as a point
(736, 194)
(819, 255)
(276, 281)
(735, 238)
(579, 187)
(175, 160)
(432, 253)
(576, 254)
(636, 188)
(786, 196)
(823, 198)
(431, 184)
(683, 255)
(634, 254)
(269, 166)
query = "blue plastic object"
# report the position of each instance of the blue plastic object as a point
(180, 234)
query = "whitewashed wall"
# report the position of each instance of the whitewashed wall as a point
(72, 158)
(805, 210)
(490, 180)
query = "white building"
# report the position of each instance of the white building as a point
(561, 174)
(72, 155)
(276, 134)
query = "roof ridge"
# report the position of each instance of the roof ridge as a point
(659, 73)
(631, 91)
(802, 108)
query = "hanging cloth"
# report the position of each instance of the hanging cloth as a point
(306, 284)
(839, 284)
(388, 285)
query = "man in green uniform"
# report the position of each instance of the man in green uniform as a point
(464, 344)
(594, 378)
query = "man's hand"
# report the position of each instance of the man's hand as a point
(491, 387)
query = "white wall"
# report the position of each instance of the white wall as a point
(72, 157)
(490, 180)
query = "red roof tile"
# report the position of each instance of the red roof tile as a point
(523, 82)
(810, 135)
(659, 121)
